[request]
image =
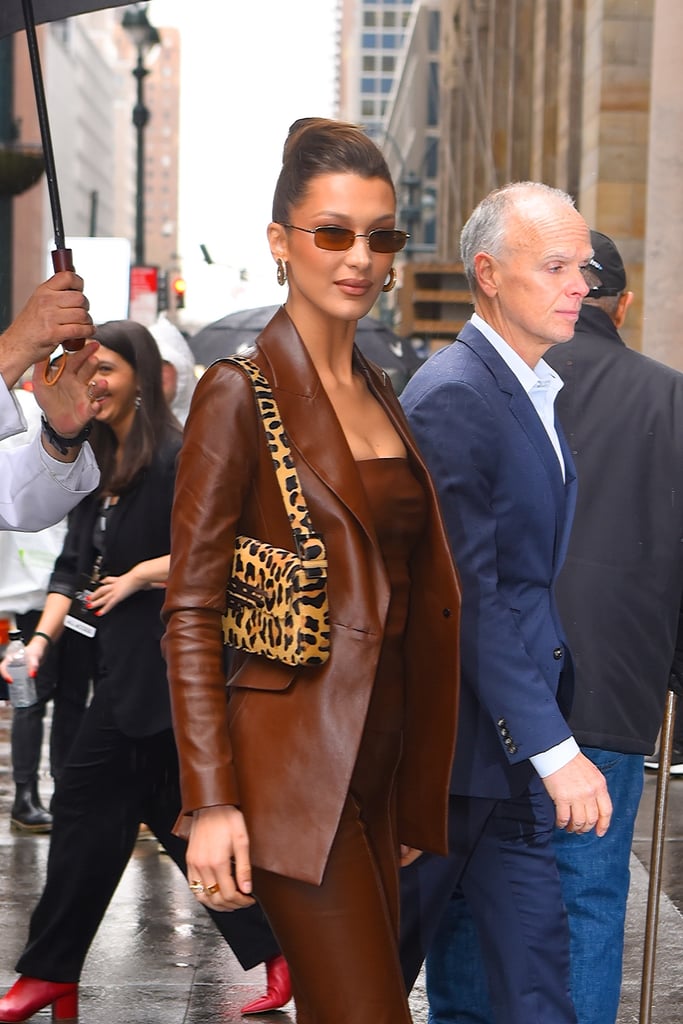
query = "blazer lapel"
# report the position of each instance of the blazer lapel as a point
(312, 426)
(524, 412)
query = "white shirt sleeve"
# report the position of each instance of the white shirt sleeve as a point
(549, 761)
(36, 490)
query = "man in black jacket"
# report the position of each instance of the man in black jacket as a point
(619, 596)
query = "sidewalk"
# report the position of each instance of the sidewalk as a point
(158, 959)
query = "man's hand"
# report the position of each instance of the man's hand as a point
(57, 312)
(407, 854)
(580, 795)
(74, 400)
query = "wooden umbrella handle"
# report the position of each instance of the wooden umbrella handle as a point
(62, 259)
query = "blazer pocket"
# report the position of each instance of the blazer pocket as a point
(254, 672)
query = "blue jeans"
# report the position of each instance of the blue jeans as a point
(595, 876)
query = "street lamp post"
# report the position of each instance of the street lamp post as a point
(144, 36)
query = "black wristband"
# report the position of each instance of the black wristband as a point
(45, 636)
(62, 444)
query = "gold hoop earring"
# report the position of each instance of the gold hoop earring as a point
(281, 271)
(391, 281)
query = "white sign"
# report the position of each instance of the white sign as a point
(104, 265)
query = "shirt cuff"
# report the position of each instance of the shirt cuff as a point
(549, 761)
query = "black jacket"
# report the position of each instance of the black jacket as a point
(129, 661)
(620, 591)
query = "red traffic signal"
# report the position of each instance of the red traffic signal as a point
(179, 287)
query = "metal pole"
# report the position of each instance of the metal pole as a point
(6, 134)
(140, 119)
(658, 832)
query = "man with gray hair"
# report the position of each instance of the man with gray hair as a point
(619, 594)
(482, 411)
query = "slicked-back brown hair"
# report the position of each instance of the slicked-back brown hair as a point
(318, 145)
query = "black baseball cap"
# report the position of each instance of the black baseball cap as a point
(605, 268)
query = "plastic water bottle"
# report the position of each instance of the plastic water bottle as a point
(22, 689)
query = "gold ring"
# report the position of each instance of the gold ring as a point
(91, 388)
(196, 887)
(211, 889)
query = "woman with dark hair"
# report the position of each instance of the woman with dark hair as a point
(122, 769)
(301, 788)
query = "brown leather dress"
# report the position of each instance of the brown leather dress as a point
(341, 938)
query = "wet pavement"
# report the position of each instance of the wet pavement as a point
(157, 958)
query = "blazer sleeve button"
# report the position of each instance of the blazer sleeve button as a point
(557, 653)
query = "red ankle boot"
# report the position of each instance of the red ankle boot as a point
(278, 988)
(28, 995)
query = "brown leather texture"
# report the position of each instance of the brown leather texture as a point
(283, 745)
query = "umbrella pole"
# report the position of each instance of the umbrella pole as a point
(656, 857)
(61, 256)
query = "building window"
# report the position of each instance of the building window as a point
(433, 95)
(369, 41)
(367, 108)
(388, 65)
(369, 19)
(431, 163)
(368, 85)
(434, 31)
(369, 63)
(389, 19)
(390, 41)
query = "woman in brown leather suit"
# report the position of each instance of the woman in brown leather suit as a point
(309, 786)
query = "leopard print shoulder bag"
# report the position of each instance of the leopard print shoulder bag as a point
(276, 601)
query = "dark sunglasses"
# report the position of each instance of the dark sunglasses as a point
(336, 239)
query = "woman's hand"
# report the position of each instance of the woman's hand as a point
(218, 867)
(111, 591)
(149, 575)
(35, 652)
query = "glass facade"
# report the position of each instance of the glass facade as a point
(383, 24)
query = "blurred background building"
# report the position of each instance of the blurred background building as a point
(581, 94)
(462, 95)
(87, 68)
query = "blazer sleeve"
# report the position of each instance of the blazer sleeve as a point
(460, 438)
(215, 469)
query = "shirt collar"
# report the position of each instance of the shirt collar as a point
(542, 376)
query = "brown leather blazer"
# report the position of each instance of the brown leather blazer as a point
(283, 746)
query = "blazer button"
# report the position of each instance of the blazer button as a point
(501, 723)
(557, 653)
(512, 748)
(504, 731)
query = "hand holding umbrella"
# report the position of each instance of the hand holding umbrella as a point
(10, 21)
(56, 314)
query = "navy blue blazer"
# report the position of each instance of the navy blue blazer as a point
(508, 514)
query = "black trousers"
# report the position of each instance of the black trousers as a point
(110, 785)
(64, 678)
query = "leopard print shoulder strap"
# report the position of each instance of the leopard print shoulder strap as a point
(280, 452)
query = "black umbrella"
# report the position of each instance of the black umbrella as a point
(238, 331)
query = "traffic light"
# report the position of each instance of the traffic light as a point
(179, 292)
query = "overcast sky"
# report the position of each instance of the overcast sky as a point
(248, 70)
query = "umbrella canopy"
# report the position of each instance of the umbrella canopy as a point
(12, 15)
(238, 331)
